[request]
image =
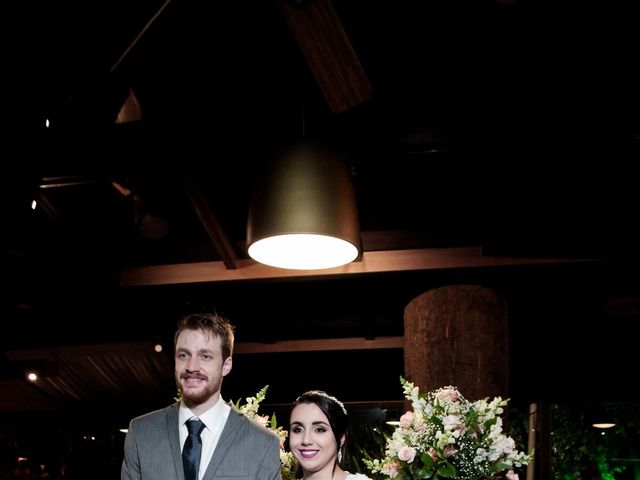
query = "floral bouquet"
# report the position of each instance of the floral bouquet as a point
(288, 462)
(447, 436)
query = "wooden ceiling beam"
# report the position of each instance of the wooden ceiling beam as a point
(48, 208)
(211, 224)
(130, 111)
(319, 345)
(329, 53)
(372, 262)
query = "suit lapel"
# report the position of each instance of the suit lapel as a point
(173, 430)
(227, 438)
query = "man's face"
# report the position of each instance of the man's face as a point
(199, 368)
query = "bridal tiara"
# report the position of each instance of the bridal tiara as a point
(320, 393)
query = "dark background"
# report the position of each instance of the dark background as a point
(507, 126)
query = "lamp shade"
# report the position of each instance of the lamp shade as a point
(303, 215)
(601, 416)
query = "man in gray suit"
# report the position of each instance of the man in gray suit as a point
(166, 444)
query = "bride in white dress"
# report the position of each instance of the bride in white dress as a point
(317, 436)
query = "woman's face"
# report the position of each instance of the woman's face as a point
(311, 439)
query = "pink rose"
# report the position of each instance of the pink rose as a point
(406, 420)
(511, 475)
(433, 454)
(391, 470)
(407, 454)
(447, 395)
(450, 450)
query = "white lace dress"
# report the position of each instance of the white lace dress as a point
(357, 476)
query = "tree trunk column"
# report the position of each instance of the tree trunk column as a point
(458, 335)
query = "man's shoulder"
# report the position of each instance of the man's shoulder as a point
(155, 416)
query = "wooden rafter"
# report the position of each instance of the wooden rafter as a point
(329, 53)
(372, 262)
(319, 345)
(211, 224)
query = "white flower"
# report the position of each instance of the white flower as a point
(452, 422)
(261, 420)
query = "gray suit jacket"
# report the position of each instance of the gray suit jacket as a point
(245, 451)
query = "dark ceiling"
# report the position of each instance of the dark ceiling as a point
(497, 145)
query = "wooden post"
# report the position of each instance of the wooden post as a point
(531, 445)
(458, 335)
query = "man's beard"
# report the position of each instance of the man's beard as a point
(194, 398)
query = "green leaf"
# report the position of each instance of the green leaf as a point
(427, 460)
(425, 472)
(499, 467)
(446, 470)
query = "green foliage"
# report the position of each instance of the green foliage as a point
(366, 438)
(581, 451)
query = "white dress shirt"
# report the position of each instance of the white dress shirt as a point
(214, 420)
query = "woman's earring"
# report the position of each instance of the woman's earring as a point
(340, 454)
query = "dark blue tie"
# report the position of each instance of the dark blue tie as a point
(192, 449)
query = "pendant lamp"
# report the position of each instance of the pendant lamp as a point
(303, 215)
(600, 416)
